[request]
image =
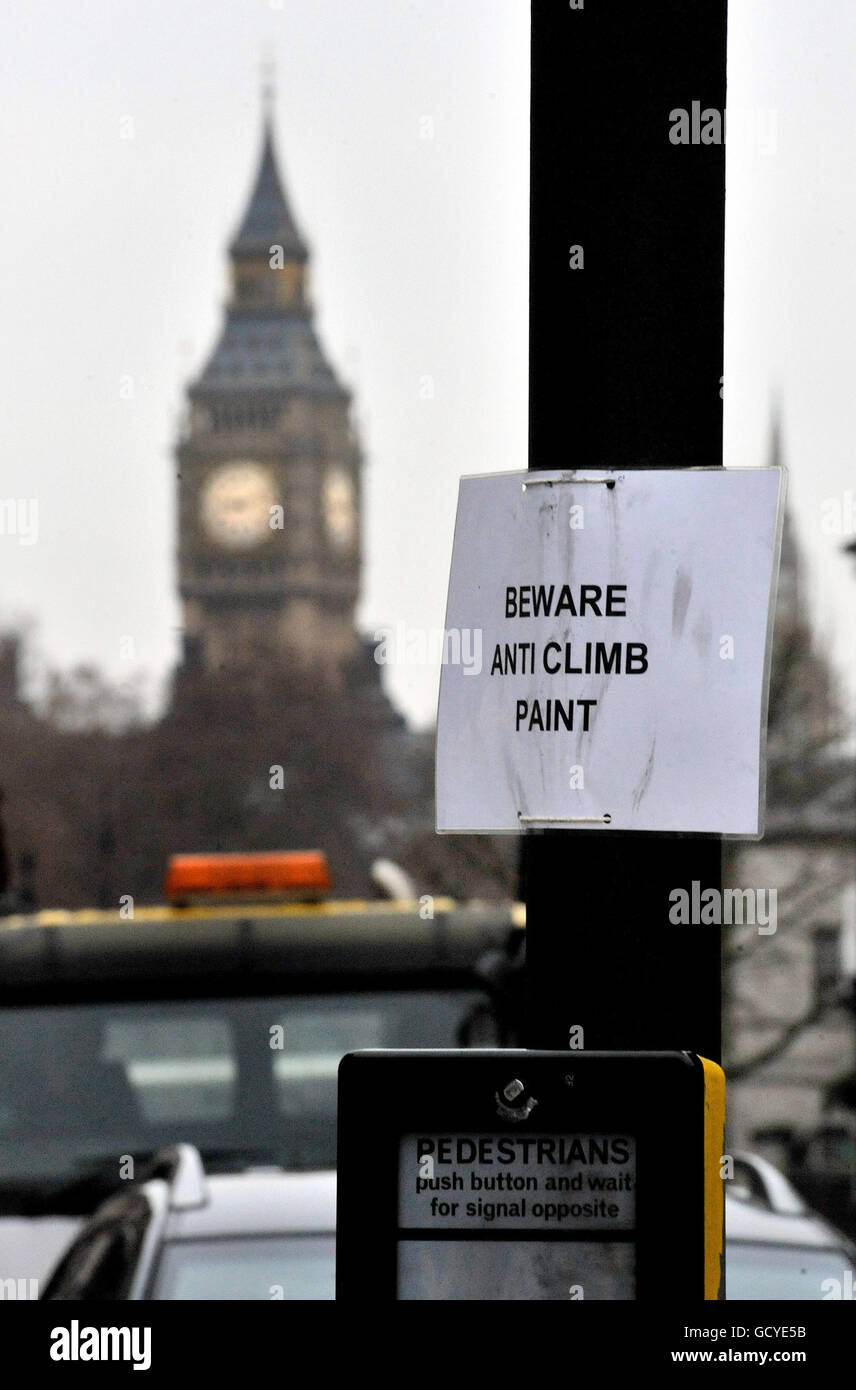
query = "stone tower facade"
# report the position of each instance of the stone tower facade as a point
(269, 469)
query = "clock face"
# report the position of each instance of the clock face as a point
(236, 503)
(340, 513)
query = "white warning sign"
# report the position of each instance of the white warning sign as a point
(606, 651)
(533, 1182)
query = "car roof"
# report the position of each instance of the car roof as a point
(749, 1221)
(259, 1202)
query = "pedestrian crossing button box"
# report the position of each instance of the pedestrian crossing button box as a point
(510, 1175)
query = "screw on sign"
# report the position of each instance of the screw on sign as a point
(511, 1092)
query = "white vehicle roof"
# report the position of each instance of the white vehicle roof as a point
(749, 1221)
(259, 1202)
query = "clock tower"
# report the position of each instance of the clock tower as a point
(269, 468)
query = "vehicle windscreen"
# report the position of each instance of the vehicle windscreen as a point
(93, 1087)
(292, 1267)
(784, 1272)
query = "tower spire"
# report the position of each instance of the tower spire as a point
(268, 221)
(268, 85)
(269, 431)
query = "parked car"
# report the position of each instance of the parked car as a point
(182, 1234)
(776, 1248)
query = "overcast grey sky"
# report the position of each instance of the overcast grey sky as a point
(113, 272)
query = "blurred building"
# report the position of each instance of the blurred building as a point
(269, 477)
(790, 1027)
(269, 497)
